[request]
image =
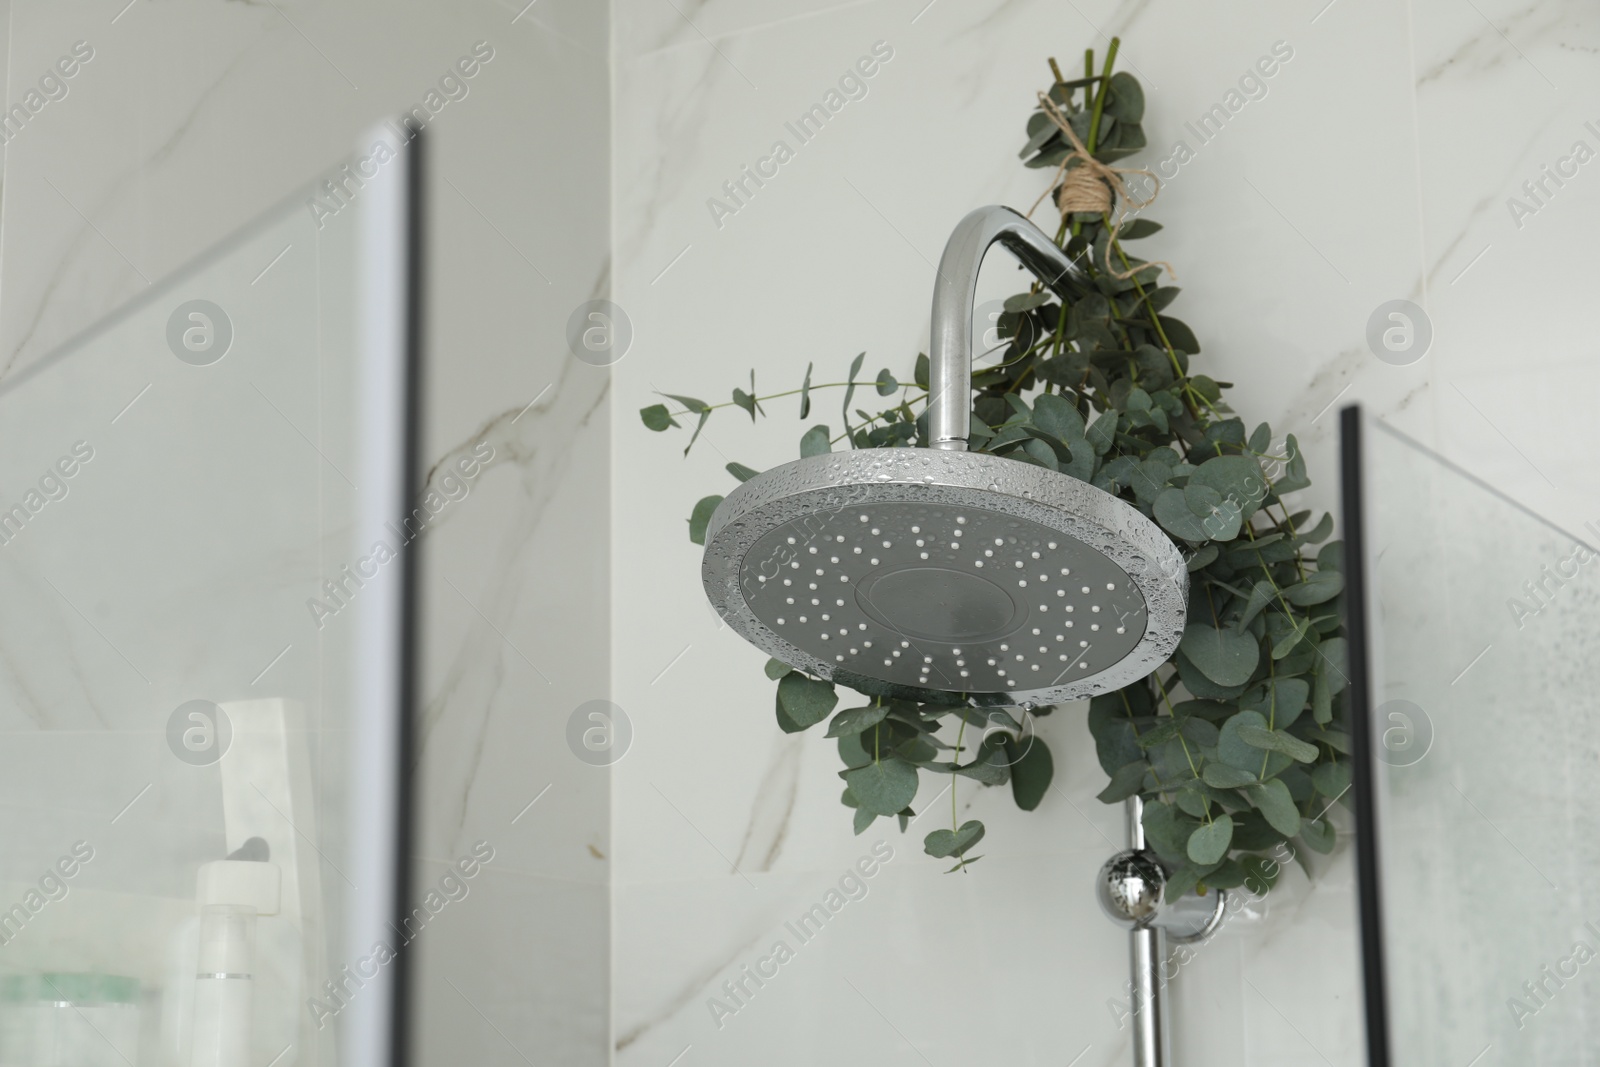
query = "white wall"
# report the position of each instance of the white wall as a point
(1376, 168)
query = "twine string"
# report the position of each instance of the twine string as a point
(1088, 185)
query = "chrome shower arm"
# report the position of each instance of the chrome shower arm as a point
(954, 291)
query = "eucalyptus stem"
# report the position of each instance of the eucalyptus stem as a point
(1092, 142)
(774, 396)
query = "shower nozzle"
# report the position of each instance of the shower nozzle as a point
(932, 573)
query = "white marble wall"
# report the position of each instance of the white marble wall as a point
(192, 118)
(1376, 168)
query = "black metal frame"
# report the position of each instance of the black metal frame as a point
(410, 612)
(1359, 709)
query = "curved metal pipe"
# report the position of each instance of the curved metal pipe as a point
(954, 291)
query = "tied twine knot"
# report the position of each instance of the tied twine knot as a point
(1091, 186)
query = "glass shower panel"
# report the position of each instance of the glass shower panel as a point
(1486, 744)
(198, 589)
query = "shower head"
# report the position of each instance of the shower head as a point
(922, 572)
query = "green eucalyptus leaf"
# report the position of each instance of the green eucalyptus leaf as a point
(1057, 417)
(850, 388)
(1260, 873)
(1261, 594)
(741, 472)
(746, 401)
(1331, 662)
(1182, 881)
(1159, 299)
(1027, 301)
(1203, 502)
(700, 518)
(1252, 833)
(942, 844)
(1124, 783)
(1124, 97)
(1237, 478)
(815, 442)
(854, 720)
(1172, 511)
(883, 787)
(1228, 874)
(1319, 834)
(696, 406)
(1222, 776)
(1138, 228)
(1040, 131)
(1278, 741)
(1272, 799)
(1167, 830)
(858, 750)
(698, 426)
(1111, 724)
(1320, 532)
(990, 769)
(805, 393)
(807, 701)
(1179, 335)
(887, 386)
(1032, 770)
(656, 417)
(1337, 740)
(1195, 680)
(1209, 842)
(1319, 586)
(916, 750)
(1331, 779)
(1041, 453)
(1200, 732)
(1290, 637)
(1102, 433)
(776, 669)
(1280, 700)
(1233, 750)
(1321, 699)
(1226, 657)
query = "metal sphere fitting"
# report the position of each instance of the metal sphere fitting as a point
(1129, 888)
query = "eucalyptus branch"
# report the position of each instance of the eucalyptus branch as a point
(1231, 740)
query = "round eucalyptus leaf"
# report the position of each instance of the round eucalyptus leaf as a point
(1226, 657)
(1172, 511)
(854, 720)
(805, 700)
(1272, 799)
(1209, 843)
(884, 787)
(944, 843)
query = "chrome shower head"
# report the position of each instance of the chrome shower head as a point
(921, 572)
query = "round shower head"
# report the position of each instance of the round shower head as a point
(923, 572)
(912, 572)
